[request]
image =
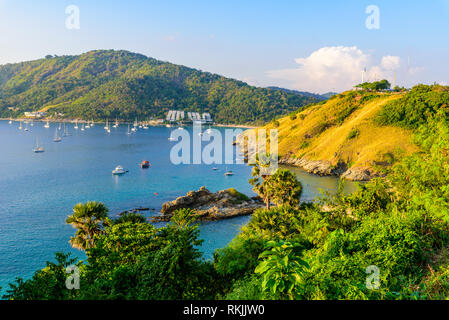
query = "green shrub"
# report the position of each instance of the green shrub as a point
(354, 133)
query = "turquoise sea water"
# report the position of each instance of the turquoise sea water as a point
(38, 191)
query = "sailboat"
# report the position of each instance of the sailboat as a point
(10, 121)
(129, 132)
(26, 126)
(60, 127)
(82, 128)
(38, 149)
(76, 125)
(134, 128)
(47, 125)
(66, 131)
(92, 123)
(106, 127)
(116, 124)
(57, 138)
(20, 126)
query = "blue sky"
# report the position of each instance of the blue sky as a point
(316, 45)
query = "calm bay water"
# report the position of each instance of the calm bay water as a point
(38, 191)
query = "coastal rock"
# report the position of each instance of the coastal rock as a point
(325, 168)
(208, 206)
(360, 174)
(318, 167)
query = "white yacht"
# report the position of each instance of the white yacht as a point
(119, 171)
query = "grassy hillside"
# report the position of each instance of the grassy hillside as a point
(120, 84)
(345, 129)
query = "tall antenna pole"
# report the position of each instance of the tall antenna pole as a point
(394, 79)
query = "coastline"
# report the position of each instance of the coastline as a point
(242, 126)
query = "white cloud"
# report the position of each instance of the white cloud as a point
(334, 69)
(390, 62)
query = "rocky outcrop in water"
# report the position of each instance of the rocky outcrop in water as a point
(209, 206)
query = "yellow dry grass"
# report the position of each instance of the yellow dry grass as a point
(316, 135)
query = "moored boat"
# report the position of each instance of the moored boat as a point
(119, 171)
(37, 148)
(145, 164)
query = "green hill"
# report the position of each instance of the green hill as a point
(120, 84)
(358, 134)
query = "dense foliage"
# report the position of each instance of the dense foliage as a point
(416, 107)
(124, 85)
(375, 86)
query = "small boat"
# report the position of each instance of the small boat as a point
(228, 172)
(215, 169)
(168, 125)
(106, 127)
(87, 126)
(145, 164)
(47, 125)
(82, 128)
(26, 127)
(20, 126)
(57, 138)
(92, 124)
(129, 132)
(10, 121)
(180, 128)
(172, 139)
(76, 125)
(119, 171)
(38, 149)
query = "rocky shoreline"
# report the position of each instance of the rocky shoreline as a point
(326, 168)
(319, 167)
(208, 206)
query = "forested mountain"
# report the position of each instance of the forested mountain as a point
(120, 84)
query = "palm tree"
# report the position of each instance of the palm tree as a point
(261, 173)
(131, 217)
(89, 219)
(286, 189)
